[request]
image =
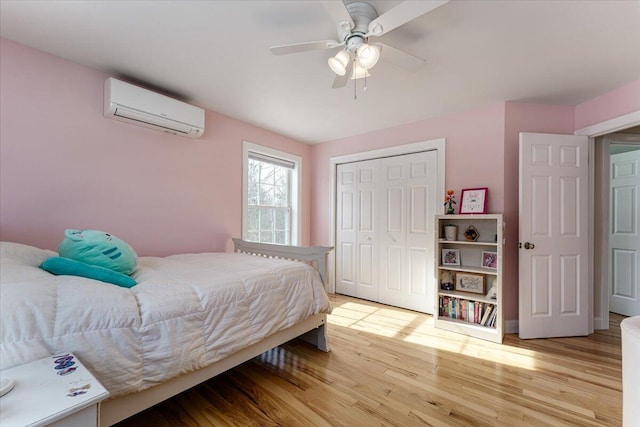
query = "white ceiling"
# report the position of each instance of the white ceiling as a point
(215, 54)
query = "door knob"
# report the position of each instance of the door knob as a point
(528, 245)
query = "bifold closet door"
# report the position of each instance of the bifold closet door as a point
(407, 204)
(384, 238)
(356, 229)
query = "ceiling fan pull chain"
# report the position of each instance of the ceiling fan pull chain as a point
(365, 82)
(355, 81)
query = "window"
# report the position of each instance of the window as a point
(270, 203)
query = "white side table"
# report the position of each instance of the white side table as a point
(55, 391)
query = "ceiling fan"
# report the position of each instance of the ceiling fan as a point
(358, 22)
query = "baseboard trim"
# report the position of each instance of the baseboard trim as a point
(511, 327)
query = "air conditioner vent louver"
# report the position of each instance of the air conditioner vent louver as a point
(135, 105)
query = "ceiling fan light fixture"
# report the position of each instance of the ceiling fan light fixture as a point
(368, 55)
(359, 72)
(338, 63)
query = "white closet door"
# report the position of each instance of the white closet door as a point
(393, 230)
(346, 214)
(406, 235)
(367, 230)
(421, 208)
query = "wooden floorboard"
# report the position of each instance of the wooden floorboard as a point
(390, 367)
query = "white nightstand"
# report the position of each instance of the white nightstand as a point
(56, 391)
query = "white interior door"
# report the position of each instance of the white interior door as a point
(624, 239)
(553, 234)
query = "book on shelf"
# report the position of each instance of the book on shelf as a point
(487, 313)
(492, 319)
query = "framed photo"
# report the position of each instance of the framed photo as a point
(450, 257)
(473, 201)
(470, 282)
(490, 260)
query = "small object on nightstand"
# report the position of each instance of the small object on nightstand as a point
(6, 385)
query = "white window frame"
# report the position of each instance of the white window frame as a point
(296, 186)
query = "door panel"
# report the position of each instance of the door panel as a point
(346, 211)
(393, 263)
(554, 221)
(420, 240)
(368, 229)
(541, 295)
(624, 239)
(569, 291)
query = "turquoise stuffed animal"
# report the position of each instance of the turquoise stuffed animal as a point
(98, 248)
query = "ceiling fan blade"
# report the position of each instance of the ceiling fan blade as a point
(304, 47)
(400, 58)
(339, 13)
(401, 14)
(341, 81)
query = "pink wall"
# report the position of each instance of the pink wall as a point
(474, 153)
(63, 165)
(618, 102)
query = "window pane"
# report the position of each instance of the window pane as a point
(267, 172)
(253, 236)
(253, 193)
(282, 220)
(253, 220)
(281, 238)
(266, 237)
(281, 196)
(266, 219)
(267, 194)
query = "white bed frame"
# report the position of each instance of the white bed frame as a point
(312, 330)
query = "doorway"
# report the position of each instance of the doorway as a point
(616, 264)
(599, 206)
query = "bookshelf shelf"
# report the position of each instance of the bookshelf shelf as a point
(477, 314)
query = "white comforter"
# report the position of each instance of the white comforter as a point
(186, 312)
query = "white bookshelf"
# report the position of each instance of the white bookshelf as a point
(463, 311)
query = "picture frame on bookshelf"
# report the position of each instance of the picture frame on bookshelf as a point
(450, 257)
(470, 282)
(490, 260)
(474, 201)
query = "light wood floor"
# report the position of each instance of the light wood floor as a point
(390, 367)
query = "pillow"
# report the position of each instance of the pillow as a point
(100, 249)
(65, 266)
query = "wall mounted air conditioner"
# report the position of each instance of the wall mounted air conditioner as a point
(138, 106)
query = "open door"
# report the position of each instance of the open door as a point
(624, 238)
(553, 236)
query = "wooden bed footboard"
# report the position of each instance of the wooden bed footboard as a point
(312, 330)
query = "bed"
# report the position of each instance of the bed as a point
(189, 318)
